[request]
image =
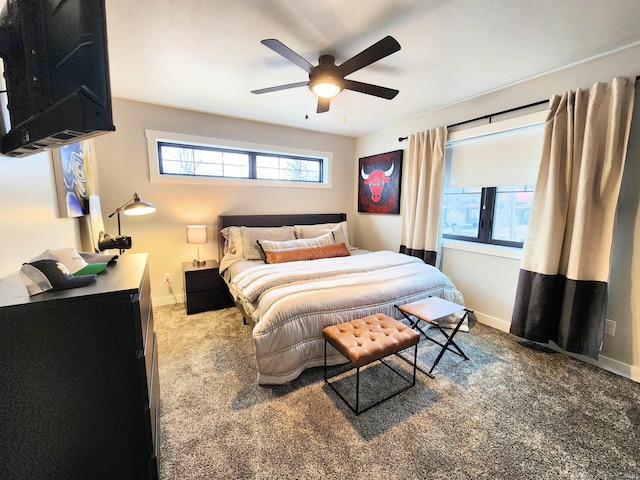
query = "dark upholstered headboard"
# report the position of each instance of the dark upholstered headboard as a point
(275, 221)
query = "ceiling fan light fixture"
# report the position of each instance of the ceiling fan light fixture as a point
(326, 80)
(325, 86)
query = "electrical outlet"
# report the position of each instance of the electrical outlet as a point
(167, 278)
(610, 327)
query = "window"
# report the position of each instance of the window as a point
(461, 212)
(201, 161)
(276, 167)
(490, 172)
(511, 209)
(495, 215)
(176, 158)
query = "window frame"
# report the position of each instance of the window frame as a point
(485, 222)
(155, 138)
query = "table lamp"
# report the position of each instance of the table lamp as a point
(197, 234)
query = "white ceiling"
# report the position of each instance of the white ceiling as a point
(206, 55)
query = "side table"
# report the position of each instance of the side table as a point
(431, 310)
(204, 287)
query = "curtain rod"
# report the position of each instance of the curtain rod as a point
(534, 104)
(401, 139)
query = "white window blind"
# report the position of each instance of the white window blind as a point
(496, 154)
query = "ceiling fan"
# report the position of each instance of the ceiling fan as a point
(327, 79)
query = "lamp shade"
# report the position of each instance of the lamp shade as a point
(133, 206)
(197, 234)
(138, 207)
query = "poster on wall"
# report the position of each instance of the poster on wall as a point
(379, 183)
(74, 171)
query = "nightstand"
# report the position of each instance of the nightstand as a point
(204, 287)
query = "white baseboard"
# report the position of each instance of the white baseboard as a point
(494, 322)
(167, 300)
(614, 366)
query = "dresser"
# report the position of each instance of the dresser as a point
(204, 287)
(79, 386)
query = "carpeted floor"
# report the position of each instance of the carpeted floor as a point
(510, 412)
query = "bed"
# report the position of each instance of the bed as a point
(289, 300)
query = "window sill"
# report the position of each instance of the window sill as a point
(483, 249)
(232, 182)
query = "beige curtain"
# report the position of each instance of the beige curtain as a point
(422, 194)
(562, 289)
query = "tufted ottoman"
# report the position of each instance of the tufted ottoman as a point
(366, 340)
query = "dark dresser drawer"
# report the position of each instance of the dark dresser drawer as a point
(145, 361)
(142, 311)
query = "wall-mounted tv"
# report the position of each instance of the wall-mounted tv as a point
(56, 70)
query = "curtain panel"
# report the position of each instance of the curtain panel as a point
(563, 281)
(422, 194)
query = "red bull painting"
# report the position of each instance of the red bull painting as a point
(379, 183)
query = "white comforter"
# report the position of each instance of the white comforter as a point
(292, 302)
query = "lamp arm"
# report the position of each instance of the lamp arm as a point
(119, 209)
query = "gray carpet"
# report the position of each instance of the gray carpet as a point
(511, 411)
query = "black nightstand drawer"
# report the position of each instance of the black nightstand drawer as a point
(197, 281)
(208, 300)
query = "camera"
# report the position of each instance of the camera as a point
(107, 241)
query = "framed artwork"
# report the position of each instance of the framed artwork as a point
(379, 183)
(74, 170)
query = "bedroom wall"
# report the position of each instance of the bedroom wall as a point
(123, 169)
(487, 275)
(29, 221)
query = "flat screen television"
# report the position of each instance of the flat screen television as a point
(56, 70)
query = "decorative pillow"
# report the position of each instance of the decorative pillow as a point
(307, 253)
(340, 231)
(250, 235)
(326, 239)
(231, 237)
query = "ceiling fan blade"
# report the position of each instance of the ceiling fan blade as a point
(375, 52)
(281, 87)
(281, 49)
(323, 105)
(375, 90)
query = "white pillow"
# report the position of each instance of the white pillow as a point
(232, 241)
(339, 230)
(326, 239)
(250, 235)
